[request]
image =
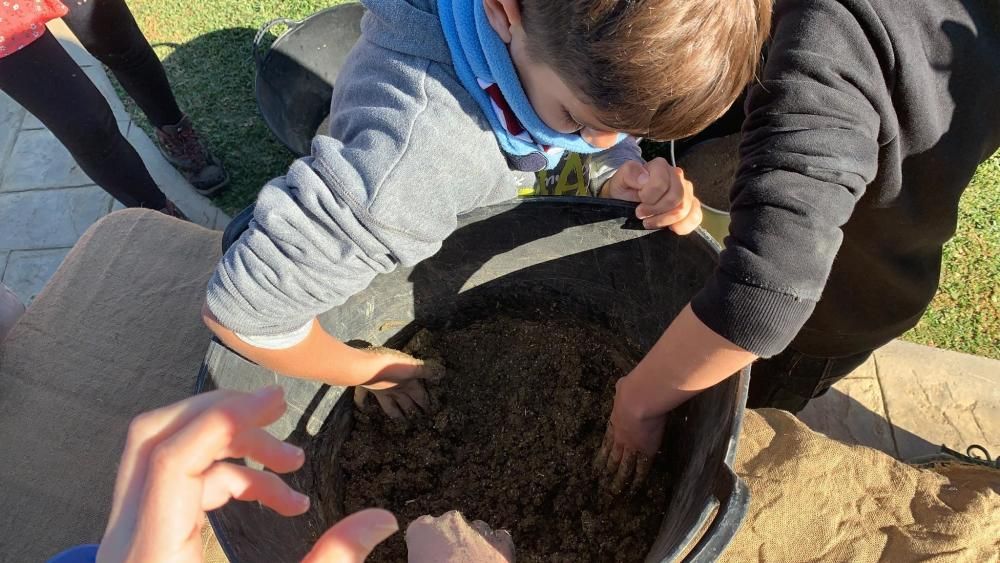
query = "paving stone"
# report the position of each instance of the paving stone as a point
(852, 412)
(49, 218)
(71, 43)
(3, 261)
(39, 161)
(936, 397)
(11, 116)
(197, 207)
(29, 270)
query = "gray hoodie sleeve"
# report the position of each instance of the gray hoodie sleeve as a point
(408, 151)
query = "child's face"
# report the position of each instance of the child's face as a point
(554, 101)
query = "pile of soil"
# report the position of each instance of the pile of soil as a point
(511, 438)
(711, 166)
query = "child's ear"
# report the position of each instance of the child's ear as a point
(503, 15)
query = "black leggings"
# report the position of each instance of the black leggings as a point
(44, 79)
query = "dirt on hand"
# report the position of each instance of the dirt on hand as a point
(514, 429)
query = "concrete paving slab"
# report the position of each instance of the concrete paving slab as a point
(852, 412)
(29, 270)
(3, 261)
(36, 220)
(936, 397)
(71, 44)
(40, 161)
(11, 118)
(197, 207)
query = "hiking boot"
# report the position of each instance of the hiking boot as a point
(172, 210)
(182, 146)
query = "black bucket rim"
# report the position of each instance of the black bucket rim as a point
(261, 60)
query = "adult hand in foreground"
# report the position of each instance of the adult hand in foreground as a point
(450, 539)
(173, 470)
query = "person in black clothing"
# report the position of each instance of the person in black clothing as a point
(867, 124)
(43, 78)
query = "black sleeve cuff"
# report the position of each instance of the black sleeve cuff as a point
(760, 321)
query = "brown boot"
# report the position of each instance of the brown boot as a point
(182, 146)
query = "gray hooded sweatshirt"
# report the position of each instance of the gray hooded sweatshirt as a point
(408, 151)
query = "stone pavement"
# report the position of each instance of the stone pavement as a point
(47, 202)
(908, 400)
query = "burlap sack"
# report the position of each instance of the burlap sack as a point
(815, 499)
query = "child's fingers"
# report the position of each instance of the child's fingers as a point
(258, 444)
(691, 222)
(388, 404)
(406, 404)
(667, 189)
(626, 182)
(225, 481)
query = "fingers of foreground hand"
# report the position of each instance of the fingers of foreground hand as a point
(224, 481)
(149, 429)
(354, 537)
(211, 434)
(261, 446)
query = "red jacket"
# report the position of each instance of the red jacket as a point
(23, 21)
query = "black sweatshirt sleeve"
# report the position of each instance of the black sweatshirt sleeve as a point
(810, 147)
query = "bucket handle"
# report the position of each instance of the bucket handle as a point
(290, 23)
(734, 500)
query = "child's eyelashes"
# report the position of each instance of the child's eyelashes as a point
(572, 124)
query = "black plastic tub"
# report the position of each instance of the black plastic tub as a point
(582, 258)
(295, 76)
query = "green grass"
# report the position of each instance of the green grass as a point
(965, 314)
(205, 48)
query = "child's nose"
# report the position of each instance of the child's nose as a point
(599, 139)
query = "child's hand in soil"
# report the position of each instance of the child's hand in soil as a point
(450, 539)
(399, 388)
(665, 197)
(630, 444)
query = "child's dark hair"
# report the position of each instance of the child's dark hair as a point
(663, 69)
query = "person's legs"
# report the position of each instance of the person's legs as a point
(44, 79)
(791, 379)
(109, 32)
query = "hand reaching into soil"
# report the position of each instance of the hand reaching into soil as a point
(450, 539)
(400, 390)
(630, 444)
(665, 197)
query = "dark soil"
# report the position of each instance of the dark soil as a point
(711, 166)
(516, 424)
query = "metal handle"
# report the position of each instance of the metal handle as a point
(734, 500)
(263, 31)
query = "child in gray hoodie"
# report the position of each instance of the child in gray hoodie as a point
(447, 105)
